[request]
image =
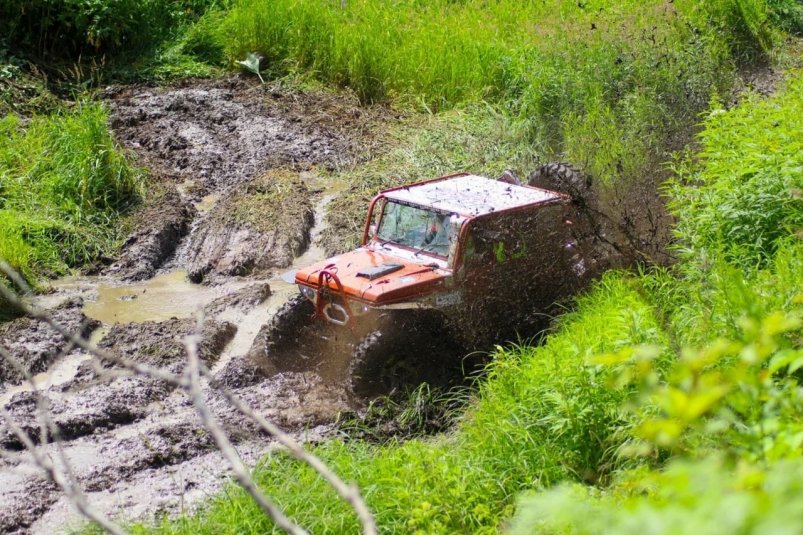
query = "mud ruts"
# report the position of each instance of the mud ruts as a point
(136, 444)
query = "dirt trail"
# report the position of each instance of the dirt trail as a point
(236, 199)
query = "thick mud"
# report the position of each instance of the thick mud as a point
(215, 145)
(235, 198)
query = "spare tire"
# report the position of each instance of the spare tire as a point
(563, 178)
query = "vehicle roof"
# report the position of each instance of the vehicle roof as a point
(470, 195)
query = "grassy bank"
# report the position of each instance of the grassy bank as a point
(609, 86)
(665, 399)
(63, 185)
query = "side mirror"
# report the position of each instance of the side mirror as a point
(372, 230)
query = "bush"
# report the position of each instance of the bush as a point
(746, 194)
(69, 29)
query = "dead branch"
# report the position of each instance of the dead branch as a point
(224, 445)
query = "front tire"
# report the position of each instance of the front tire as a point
(279, 344)
(413, 349)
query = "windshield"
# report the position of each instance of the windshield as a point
(419, 228)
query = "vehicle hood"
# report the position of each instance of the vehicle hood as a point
(409, 281)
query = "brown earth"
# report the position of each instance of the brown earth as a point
(234, 169)
(219, 138)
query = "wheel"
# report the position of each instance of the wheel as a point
(413, 349)
(279, 344)
(563, 178)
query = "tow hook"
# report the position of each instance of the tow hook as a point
(325, 307)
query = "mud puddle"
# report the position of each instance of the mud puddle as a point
(239, 200)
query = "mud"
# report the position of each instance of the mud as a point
(159, 228)
(258, 226)
(36, 345)
(127, 436)
(206, 144)
(235, 197)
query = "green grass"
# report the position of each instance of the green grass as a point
(607, 85)
(63, 185)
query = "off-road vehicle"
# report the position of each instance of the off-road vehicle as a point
(446, 267)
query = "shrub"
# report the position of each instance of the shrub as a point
(73, 28)
(746, 194)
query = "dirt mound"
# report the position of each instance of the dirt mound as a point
(258, 226)
(208, 138)
(161, 343)
(159, 228)
(35, 344)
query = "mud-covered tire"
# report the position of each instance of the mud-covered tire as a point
(285, 334)
(563, 178)
(415, 348)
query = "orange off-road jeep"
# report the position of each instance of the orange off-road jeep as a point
(446, 267)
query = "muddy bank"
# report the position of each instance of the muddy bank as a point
(260, 225)
(159, 227)
(206, 142)
(35, 345)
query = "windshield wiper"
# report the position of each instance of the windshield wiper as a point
(423, 248)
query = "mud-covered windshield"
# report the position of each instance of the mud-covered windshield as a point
(415, 227)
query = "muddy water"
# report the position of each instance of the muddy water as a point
(166, 296)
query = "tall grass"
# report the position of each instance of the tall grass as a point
(63, 185)
(746, 197)
(607, 85)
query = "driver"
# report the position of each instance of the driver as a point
(437, 233)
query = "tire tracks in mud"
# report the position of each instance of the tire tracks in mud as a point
(136, 446)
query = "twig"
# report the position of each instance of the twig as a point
(224, 445)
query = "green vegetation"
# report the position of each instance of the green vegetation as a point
(668, 398)
(63, 185)
(65, 29)
(607, 85)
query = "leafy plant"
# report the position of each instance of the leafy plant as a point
(251, 63)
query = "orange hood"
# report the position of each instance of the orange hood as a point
(409, 281)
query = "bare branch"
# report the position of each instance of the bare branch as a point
(349, 493)
(224, 445)
(73, 492)
(190, 381)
